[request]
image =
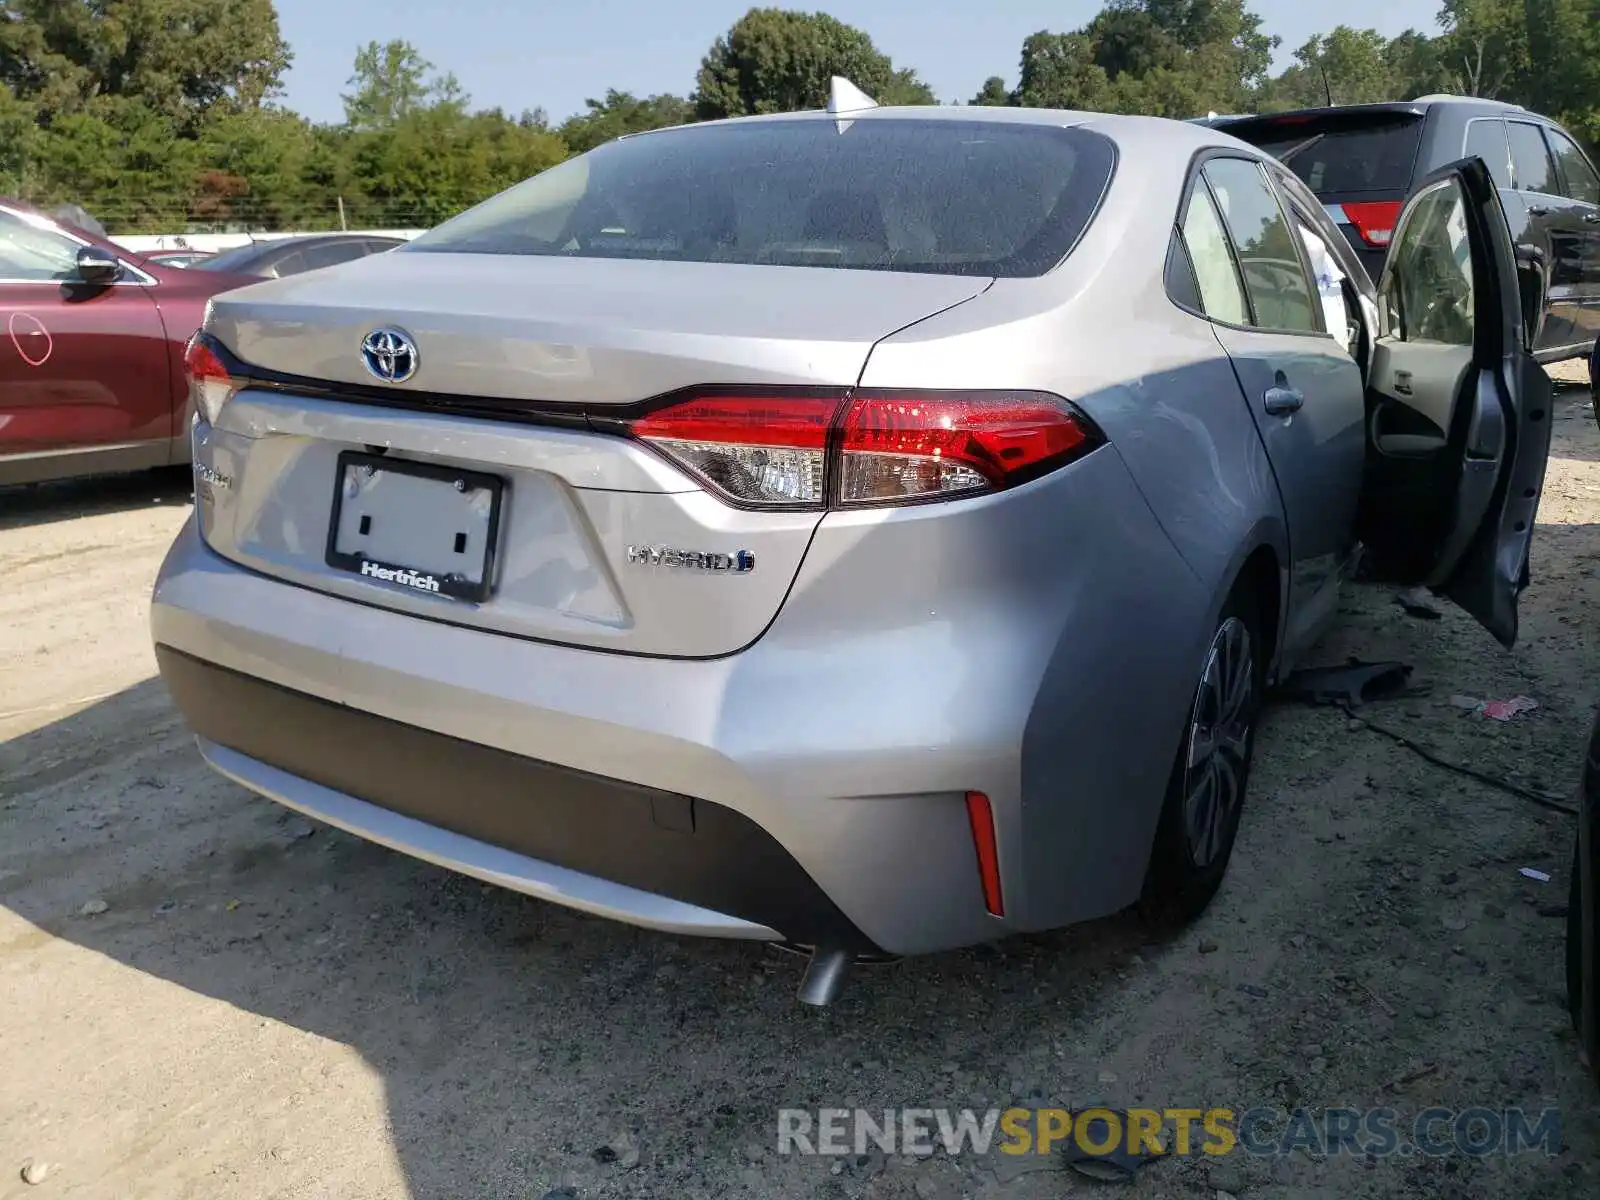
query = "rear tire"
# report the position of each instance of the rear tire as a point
(1211, 771)
(1594, 380)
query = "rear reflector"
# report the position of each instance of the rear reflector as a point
(1374, 220)
(877, 447)
(981, 817)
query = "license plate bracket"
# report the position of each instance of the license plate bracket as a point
(421, 526)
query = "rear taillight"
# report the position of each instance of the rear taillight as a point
(1374, 221)
(767, 450)
(211, 384)
(875, 447)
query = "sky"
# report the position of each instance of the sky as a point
(554, 54)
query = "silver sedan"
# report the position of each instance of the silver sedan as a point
(871, 529)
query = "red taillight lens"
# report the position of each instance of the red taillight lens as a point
(878, 447)
(1374, 221)
(210, 384)
(911, 446)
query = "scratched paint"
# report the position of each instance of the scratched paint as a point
(32, 339)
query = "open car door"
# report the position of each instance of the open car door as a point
(1458, 412)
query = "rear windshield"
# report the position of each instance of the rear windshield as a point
(240, 258)
(1369, 157)
(895, 194)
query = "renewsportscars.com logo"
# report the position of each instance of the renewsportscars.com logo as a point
(1182, 1132)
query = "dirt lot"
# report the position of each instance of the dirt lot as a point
(264, 1008)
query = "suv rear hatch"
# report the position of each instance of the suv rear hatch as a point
(1359, 161)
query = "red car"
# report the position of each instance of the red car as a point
(91, 351)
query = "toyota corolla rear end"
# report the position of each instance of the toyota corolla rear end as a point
(574, 547)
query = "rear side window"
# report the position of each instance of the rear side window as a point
(888, 194)
(1221, 293)
(1530, 158)
(1487, 140)
(1274, 275)
(1368, 157)
(1581, 181)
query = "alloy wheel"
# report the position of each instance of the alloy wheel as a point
(1219, 742)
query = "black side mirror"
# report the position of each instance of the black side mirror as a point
(97, 266)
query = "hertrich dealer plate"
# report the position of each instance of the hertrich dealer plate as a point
(420, 526)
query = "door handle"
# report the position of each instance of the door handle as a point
(1281, 401)
(1538, 210)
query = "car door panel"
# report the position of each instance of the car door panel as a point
(1303, 389)
(81, 366)
(1458, 425)
(1580, 185)
(1556, 227)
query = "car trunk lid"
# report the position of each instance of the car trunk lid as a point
(579, 535)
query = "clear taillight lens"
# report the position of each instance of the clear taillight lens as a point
(877, 447)
(211, 384)
(758, 450)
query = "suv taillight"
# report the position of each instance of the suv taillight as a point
(871, 447)
(1374, 220)
(211, 384)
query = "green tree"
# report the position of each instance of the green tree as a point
(1415, 66)
(621, 113)
(1127, 39)
(994, 93)
(1484, 47)
(1173, 58)
(1059, 71)
(180, 58)
(436, 161)
(773, 60)
(393, 81)
(1345, 66)
(1564, 63)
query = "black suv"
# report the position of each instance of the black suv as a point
(1363, 160)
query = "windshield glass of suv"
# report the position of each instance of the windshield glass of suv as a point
(1365, 158)
(949, 197)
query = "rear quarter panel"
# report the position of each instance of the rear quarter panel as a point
(1101, 331)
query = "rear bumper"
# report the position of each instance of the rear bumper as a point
(624, 851)
(811, 786)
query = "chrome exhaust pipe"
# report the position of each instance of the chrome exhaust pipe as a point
(824, 977)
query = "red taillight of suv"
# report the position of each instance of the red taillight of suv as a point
(210, 381)
(1374, 221)
(868, 448)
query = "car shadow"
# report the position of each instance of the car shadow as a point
(26, 505)
(465, 997)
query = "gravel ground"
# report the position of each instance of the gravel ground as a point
(206, 997)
